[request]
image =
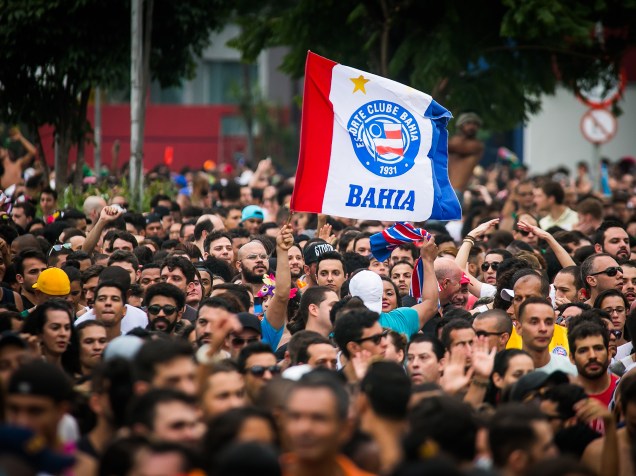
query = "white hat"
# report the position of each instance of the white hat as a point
(296, 372)
(367, 285)
(124, 347)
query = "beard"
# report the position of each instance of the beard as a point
(594, 374)
(253, 278)
(169, 326)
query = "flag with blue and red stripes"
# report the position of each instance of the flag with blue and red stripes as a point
(383, 243)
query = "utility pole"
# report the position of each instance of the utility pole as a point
(136, 98)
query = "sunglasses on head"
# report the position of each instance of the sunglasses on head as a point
(155, 309)
(485, 266)
(240, 342)
(523, 232)
(376, 338)
(58, 248)
(259, 370)
(611, 271)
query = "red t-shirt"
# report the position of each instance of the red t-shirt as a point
(605, 398)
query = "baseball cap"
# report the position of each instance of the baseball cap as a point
(41, 379)
(152, 218)
(161, 211)
(534, 381)
(367, 285)
(123, 347)
(252, 211)
(30, 449)
(312, 251)
(464, 280)
(468, 117)
(54, 282)
(249, 321)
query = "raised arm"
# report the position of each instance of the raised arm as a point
(277, 311)
(469, 242)
(561, 253)
(430, 290)
(107, 214)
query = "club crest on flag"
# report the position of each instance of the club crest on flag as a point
(385, 138)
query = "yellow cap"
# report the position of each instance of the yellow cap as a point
(54, 282)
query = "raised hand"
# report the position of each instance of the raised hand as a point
(455, 377)
(360, 362)
(483, 228)
(285, 238)
(483, 359)
(538, 232)
(428, 250)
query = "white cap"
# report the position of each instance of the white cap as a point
(367, 285)
(125, 347)
(296, 372)
(507, 294)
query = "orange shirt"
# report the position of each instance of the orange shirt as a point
(346, 465)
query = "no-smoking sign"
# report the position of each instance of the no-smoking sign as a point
(598, 126)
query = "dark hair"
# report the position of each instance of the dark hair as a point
(447, 422)
(92, 271)
(165, 289)
(398, 298)
(88, 323)
(610, 293)
(330, 255)
(224, 429)
(156, 352)
(436, 344)
(522, 273)
(511, 429)
(28, 253)
(300, 342)
(350, 326)
(213, 236)
(575, 272)
(35, 322)
(123, 256)
(354, 261)
(199, 228)
(124, 236)
(49, 191)
(143, 409)
(554, 189)
(532, 300)
(219, 268)
(584, 330)
(239, 291)
(217, 302)
(252, 349)
(450, 326)
(185, 265)
(314, 295)
(599, 236)
(503, 358)
(505, 254)
(112, 284)
(362, 235)
(388, 389)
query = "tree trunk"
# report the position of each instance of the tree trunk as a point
(249, 111)
(384, 39)
(63, 140)
(81, 139)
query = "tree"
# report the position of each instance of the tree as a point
(54, 52)
(496, 58)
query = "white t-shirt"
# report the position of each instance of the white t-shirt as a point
(559, 362)
(487, 290)
(134, 317)
(623, 351)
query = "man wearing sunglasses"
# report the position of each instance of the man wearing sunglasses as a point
(258, 365)
(601, 272)
(250, 333)
(164, 306)
(358, 333)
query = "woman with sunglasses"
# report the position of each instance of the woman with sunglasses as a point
(615, 304)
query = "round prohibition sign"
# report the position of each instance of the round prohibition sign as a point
(598, 126)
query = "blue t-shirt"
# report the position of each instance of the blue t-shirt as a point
(403, 320)
(270, 335)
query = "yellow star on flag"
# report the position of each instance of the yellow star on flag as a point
(359, 83)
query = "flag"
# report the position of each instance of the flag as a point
(371, 148)
(383, 243)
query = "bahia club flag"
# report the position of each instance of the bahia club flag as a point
(371, 148)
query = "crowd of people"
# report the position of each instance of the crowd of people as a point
(219, 333)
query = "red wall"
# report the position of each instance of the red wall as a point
(194, 132)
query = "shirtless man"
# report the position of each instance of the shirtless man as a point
(13, 168)
(464, 151)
